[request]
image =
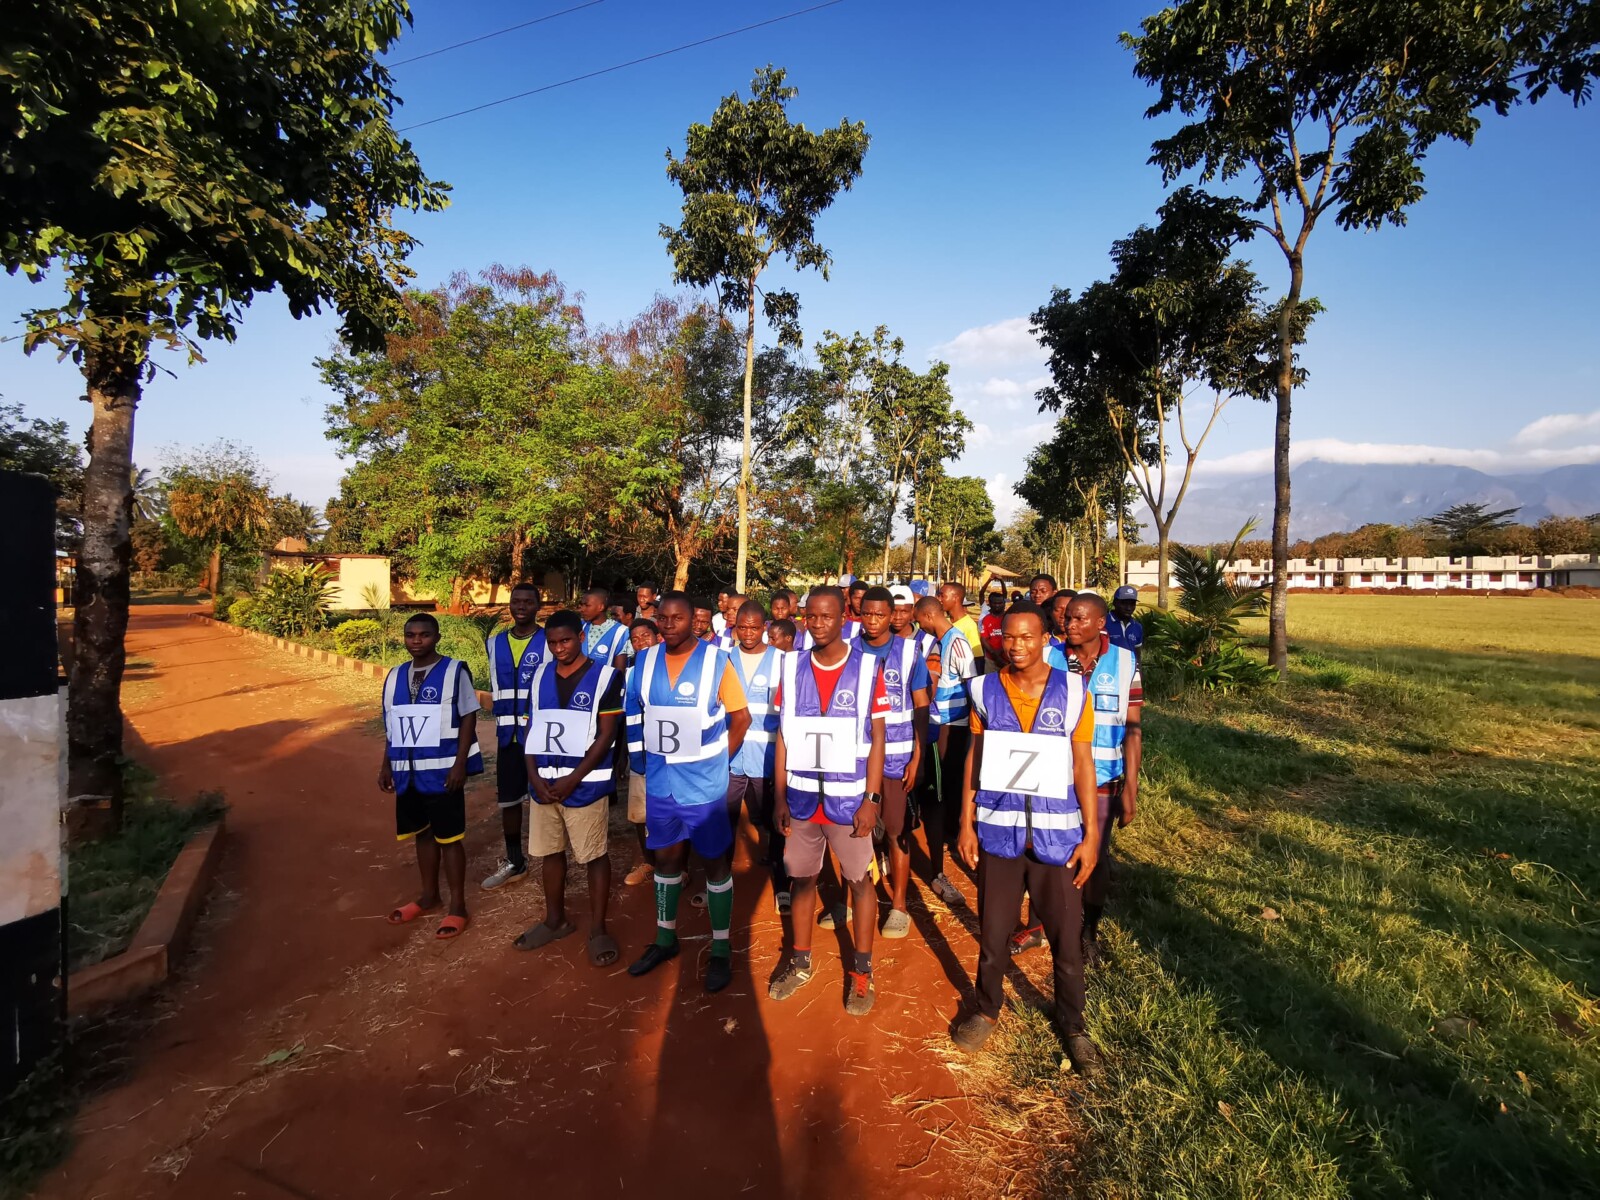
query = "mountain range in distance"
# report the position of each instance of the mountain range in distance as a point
(1328, 497)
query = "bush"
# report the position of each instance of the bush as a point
(238, 612)
(294, 601)
(360, 638)
(1200, 646)
(463, 638)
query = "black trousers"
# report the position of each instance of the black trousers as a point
(941, 794)
(1057, 905)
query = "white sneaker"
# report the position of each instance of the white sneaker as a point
(945, 890)
(505, 873)
(833, 914)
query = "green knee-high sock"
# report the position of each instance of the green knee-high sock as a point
(719, 903)
(668, 889)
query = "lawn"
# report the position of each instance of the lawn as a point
(1355, 931)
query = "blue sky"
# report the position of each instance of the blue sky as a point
(1008, 151)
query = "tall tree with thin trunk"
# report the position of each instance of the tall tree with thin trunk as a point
(753, 185)
(1332, 106)
(170, 161)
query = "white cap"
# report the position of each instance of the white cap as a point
(902, 594)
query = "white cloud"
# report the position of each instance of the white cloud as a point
(1559, 427)
(1000, 388)
(1401, 454)
(1004, 343)
(1006, 502)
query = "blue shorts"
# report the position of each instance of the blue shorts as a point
(704, 826)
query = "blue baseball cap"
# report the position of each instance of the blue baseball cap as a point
(1126, 592)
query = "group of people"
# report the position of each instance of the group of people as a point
(842, 721)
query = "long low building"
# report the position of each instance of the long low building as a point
(1469, 572)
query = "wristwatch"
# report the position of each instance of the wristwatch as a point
(874, 798)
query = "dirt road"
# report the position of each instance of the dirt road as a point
(311, 1050)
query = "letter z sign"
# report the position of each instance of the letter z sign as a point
(1027, 764)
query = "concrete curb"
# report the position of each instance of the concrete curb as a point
(163, 936)
(326, 657)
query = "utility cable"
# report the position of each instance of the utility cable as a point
(400, 62)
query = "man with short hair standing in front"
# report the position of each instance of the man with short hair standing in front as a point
(687, 715)
(950, 666)
(828, 778)
(1029, 824)
(514, 655)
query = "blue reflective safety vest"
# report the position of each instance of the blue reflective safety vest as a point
(949, 705)
(508, 684)
(596, 679)
(840, 793)
(423, 736)
(755, 757)
(702, 779)
(610, 644)
(900, 661)
(1006, 821)
(1110, 684)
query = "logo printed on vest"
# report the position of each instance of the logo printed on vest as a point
(845, 698)
(892, 677)
(582, 699)
(430, 693)
(1051, 718)
(759, 680)
(686, 688)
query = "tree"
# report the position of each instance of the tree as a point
(1467, 527)
(1178, 316)
(219, 495)
(915, 423)
(291, 518)
(1332, 105)
(1565, 535)
(144, 487)
(960, 520)
(753, 186)
(169, 162)
(35, 446)
(1076, 482)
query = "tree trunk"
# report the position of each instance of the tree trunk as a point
(100, 623)
(1122, 550)
(214, 571)
(744, 454)
(1162, 545)
(680, 573)
(1278, 613)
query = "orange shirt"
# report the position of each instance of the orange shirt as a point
(1027, 708)
(730, 691)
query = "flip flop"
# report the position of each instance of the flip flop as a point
(451, 926)
(542, 935)
(602, 950)
(409, 912)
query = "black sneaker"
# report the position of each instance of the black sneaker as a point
(1027, 939)
(1084, 1055)
(972, 1033)
(719, 973)
(794, 977)
(654, 955)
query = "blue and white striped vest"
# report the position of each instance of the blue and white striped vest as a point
(1109, 685)
(755, 757)
(508, 684)
(1007, 819)
(423, 738)
(612, 643)
(596, 679)
(949, 705)
(696, 781)
(841, 793)
(899, 659)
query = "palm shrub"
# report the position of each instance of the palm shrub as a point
(294, 601)
(1199, 645)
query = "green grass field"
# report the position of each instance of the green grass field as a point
(1355, 928)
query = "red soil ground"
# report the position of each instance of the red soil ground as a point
(422, 1068)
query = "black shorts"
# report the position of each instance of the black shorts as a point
(441, 814)
(511, 775)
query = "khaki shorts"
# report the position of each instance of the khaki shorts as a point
(636, 799)
(553, 827)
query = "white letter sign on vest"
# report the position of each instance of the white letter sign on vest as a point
(1026, 763)
(673, 733)
(559, 732)
(821, 744)
(413, 725)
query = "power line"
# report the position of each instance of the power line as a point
(633, 62)
(400, 62)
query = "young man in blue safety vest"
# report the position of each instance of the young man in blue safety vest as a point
(852, 610)
(514, 655)
(905, 733)
(575, 707)
(430, 721)
(642, 635)
(828, 776)
(950, 665)
(1029, 824)
(902, 619)
(687, 716)
(1121, 628)
(1117, 698)
(750, 771)
(605, 639)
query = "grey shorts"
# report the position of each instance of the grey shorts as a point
(802, 853)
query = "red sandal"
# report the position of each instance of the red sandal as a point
(451, 926)
(409, 912)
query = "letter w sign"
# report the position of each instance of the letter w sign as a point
(414, 725)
